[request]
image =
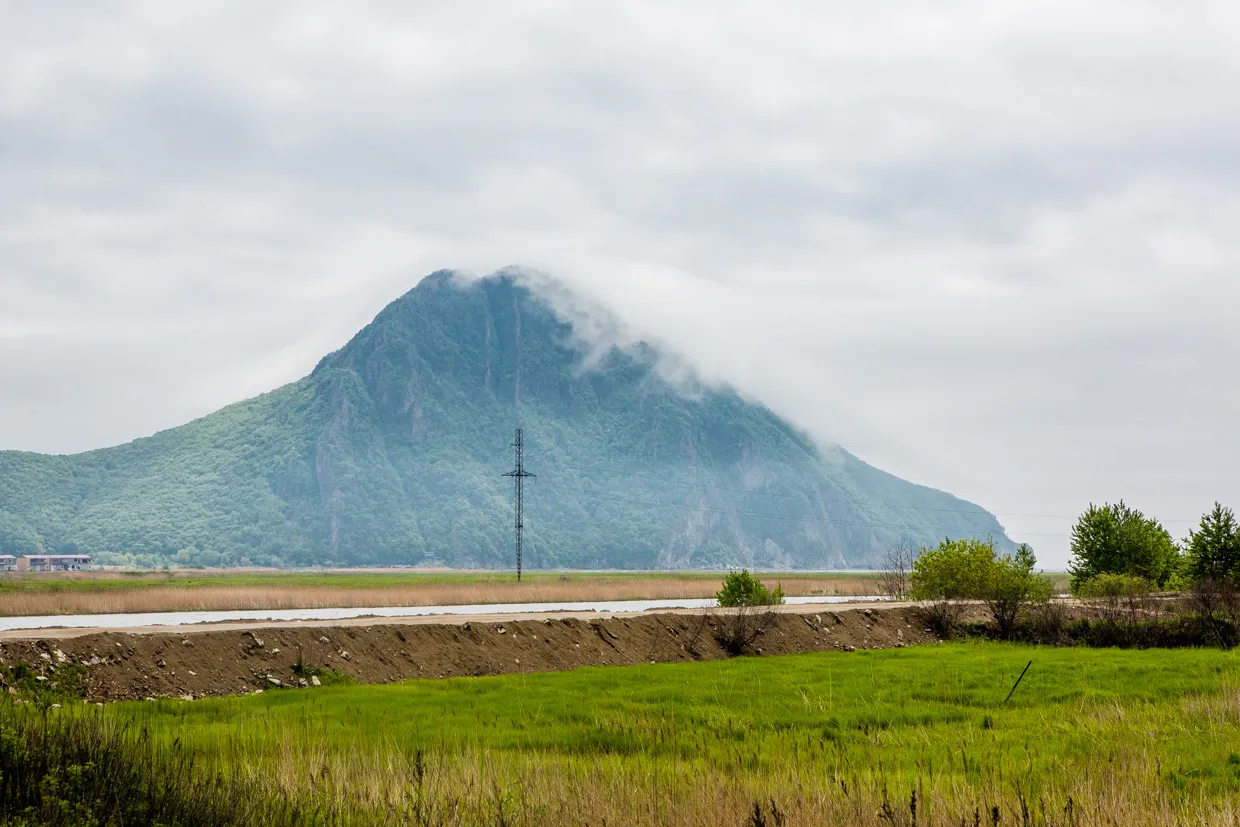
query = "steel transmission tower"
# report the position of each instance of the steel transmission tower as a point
(519, 476)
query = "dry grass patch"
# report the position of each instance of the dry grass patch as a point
(151, 595)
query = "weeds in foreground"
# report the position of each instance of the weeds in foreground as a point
(80, 769)
(45, 687)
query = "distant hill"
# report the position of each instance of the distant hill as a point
(392, 450)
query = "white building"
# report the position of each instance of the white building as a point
(8, 562)
(53, 562)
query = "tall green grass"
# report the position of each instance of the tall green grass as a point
(1156, 731)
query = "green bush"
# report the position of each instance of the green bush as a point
(955, 570)
(740, 588)
(1114, 586)
(1008, 584)
(967, 569)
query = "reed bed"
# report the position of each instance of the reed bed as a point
(30, 596)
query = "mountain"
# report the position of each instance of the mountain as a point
(392, 452)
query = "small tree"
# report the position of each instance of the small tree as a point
(740, 588)
(1009, 584)
(895, 576)
(962, 570)
(947, 576)
(1116, 539)
(749, 614)
(1214, 549)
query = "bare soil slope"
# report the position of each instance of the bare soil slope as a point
(209, 661)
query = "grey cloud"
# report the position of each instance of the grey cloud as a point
(990, 248)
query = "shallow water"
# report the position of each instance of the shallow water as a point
(124, 621)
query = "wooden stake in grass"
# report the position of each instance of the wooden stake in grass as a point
(1018, 680)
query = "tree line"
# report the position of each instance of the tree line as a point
(1120, 560)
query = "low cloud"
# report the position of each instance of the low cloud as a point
(988, 248)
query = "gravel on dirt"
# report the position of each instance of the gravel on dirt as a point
(213, 661)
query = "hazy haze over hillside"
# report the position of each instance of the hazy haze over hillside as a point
(987, 247)
(392, 452)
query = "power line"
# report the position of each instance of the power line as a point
(736, 512)
(805, 498)
(761, 515)
(801, 498)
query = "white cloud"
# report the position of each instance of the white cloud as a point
(989, 247)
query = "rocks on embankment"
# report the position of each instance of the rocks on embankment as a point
(200, 663)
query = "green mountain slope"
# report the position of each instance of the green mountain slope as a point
(392, 452)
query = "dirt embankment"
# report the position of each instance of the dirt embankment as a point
(122, 665)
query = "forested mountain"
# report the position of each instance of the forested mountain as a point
(391, 452)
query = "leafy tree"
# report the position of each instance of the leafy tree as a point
(740, 588)
(1116, 539)
(1214, 549)
(955, 570)
(16, 537)
(948, 575)
(1009, 584)
(749, 613)
(967, 569)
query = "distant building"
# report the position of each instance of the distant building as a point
(8, 562)
(53, 562)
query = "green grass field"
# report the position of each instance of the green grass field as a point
(1135, 733)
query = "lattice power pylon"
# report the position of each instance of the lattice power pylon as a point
(519, 475)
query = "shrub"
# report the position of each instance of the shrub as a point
(748, 615)
(1216, 605)
(895, 576)
(948, 575)
(1008, 584)
(1048, 622)
(968, 569)
(740, 588)
(1120, 601)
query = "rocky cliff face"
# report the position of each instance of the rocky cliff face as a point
(392, 451)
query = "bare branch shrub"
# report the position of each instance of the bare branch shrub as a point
(895, 575)
(1121, 606)
(741, 626)
(1216, 605)
(942, 616)
(1049, 622)
(1119, 599)
(697, 632)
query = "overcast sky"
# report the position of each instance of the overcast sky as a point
(990, 247)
